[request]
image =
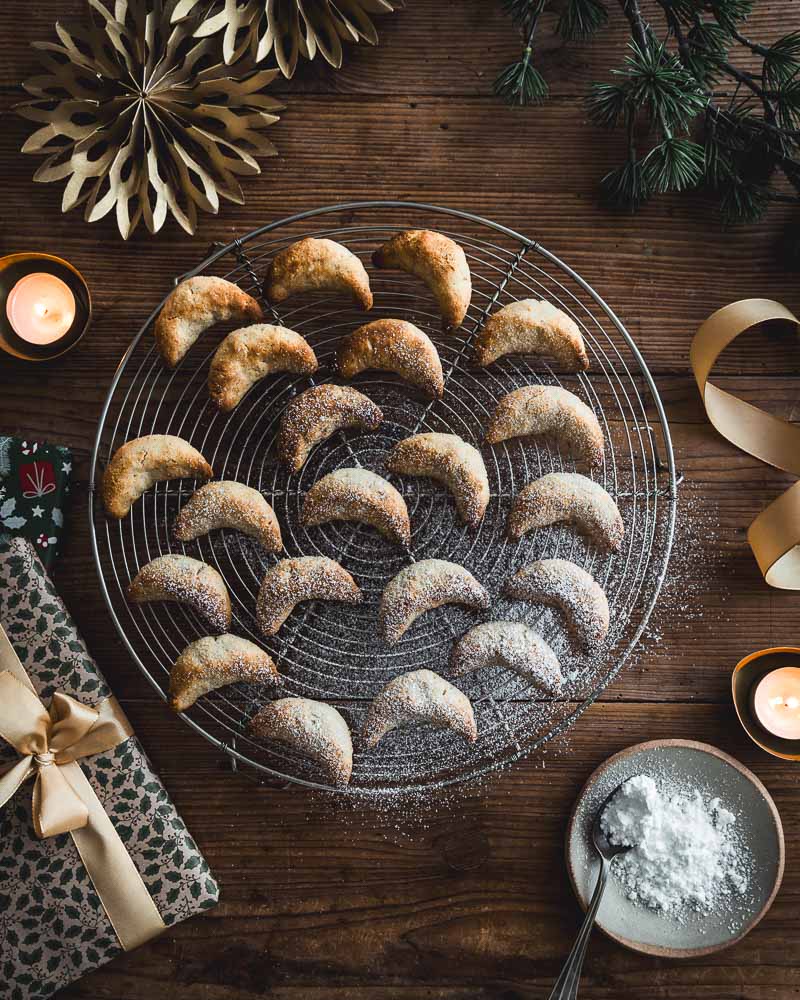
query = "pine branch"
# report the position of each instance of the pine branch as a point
(736, 147)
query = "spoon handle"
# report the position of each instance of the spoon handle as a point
(566, 987)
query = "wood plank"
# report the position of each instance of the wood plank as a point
(672, 252)
(467, 899)
(426, 49)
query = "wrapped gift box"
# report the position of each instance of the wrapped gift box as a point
(53, 927)
(34, 493)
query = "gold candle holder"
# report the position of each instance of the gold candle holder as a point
(15, 267)
(746, 675)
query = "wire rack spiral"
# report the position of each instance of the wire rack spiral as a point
(329, 651)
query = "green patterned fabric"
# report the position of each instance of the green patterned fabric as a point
(52, 927)
(34, 492)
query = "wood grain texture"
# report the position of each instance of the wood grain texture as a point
(468, 900)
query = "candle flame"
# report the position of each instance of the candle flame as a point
(40, 308)
(792, 702)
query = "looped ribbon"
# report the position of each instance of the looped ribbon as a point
(774, 536)
(50, 743)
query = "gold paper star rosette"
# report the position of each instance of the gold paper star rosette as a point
(291, 28)
(140, 117)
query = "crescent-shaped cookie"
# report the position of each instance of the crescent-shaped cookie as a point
(423, 586)
(396, 346)
(552, 412)
(214, 661)
(420, 696)
(227, 504)
(306, 578)
(312, 727)
(247, 355)
(570, 588)
(194, 306)
(532, 327)
(508, 644)
(145, 461)
(188, 581)
(358, 495)
(451, 461)
(569, 497)
(313, 265)
(319, 412)
(439, 261)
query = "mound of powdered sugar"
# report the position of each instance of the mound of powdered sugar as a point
(686, 855)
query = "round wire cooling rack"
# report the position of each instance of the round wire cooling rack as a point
(331, 652)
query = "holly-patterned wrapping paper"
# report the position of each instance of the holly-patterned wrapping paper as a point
(53, 928)
(34, 492)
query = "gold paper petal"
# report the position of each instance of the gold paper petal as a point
(292, 28)
(137, 112)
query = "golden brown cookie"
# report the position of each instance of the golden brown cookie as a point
(215, 661)
(358, 495)
(395, 346)
(508, 644)
(247, 355)
(312, 727)
(145, 461)
(568, 497)
(306, 578)
(421, 587)
(419, 697)
(548, 411)
(532, 327)
(451, 461)
(187, 581)
(317, 413)
(194, 306)
(439, 261)
(562, 584)
(227, 504)
(313, 265)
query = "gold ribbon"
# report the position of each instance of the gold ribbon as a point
(774, 536)
(50, 743)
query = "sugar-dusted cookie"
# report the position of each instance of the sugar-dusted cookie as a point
(187, 581)
(530, 326)
(451, 461)
(420, 696)
(439, 261)
(358, 495)
(312, 727)
(194, 306)
(423, 586)
(306, 578)
(508, 644)
(145, 461)
(319, 412)
(396, 346)
(569, 497)
(570, 588)
(227, 504)
(251, 353)
(549, 411)
(215, 661)
(313, 265)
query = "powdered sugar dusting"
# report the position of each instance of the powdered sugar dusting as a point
(423, 586)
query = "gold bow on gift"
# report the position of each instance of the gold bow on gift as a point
(50, 743)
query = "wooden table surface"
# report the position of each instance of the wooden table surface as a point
(320, 902)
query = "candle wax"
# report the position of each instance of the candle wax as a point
(776, 702)
(40, 308)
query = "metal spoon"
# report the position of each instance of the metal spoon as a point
(566, 987)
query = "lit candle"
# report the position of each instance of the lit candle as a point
(776, 702)
(40, 308)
